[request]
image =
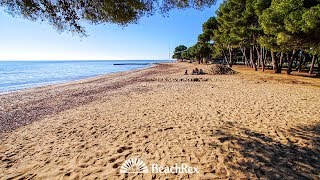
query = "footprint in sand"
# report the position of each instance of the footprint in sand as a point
(115, 166)
(112, 160)
(223, 139)
(122, 149)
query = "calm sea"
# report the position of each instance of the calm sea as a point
(16, 75)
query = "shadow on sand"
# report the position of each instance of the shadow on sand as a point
(297, 156)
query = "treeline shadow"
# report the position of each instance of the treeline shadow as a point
(267, 158)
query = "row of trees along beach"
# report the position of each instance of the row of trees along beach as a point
(277, 34)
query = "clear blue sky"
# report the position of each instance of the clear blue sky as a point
(149, 39)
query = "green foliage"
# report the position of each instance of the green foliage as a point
(233, 24)
(275, 24)
(200, 50)
(208, 30)
(260, 6)
(194, 51)
(293, 23)
(311, 19)
(204, 50)
(178, 51)
(180, 48)
(185, 55)
(67, 14)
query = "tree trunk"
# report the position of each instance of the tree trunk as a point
(252, 59)
(230, 57)
(266, 56)
(289, 70)
(260, 58)
(304, 60)
(280, 63)
(318, 74)
(244, 55)
(300, 64)
(225, 56)
(312, 64)
(274, 62)
(243, 60)
(262, 53)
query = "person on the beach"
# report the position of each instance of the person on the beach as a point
(186, 72)
(197, 71)
(201, 71)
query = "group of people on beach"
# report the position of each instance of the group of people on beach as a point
(195, 72)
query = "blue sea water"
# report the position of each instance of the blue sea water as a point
(16, 75)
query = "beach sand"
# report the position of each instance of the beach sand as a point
(248, 125)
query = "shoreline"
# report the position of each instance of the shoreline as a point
(70, 81)
(228, 127)
(33, 91)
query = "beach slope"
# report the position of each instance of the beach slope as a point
(227, 126)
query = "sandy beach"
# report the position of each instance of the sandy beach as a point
(249, 125)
